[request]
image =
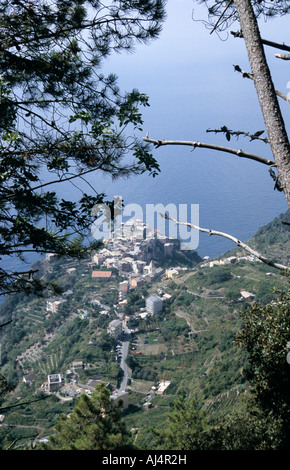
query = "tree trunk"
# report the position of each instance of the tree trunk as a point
(273, 118)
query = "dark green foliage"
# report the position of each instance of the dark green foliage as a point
(62, 119)
(94, 424)
(266, 336)
(4, 387)
(185, 298)
(183, 429)
(218, 275)
(174, 327)
(135, 301)
(240, 430)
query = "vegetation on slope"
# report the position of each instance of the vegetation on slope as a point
(191, 344)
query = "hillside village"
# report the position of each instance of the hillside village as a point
(140, 323)
(130, 258)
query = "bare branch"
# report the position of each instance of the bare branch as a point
(239, 153)
(283, 56)
(220, 17)
(5, 324)
(234, 239)
(284, 97)
(283, 46)
(251, 77)
(24, 403)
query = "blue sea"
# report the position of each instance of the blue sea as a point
(228, 194)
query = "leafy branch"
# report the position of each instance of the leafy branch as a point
(229, 133)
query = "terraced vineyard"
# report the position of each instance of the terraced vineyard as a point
(224, 401)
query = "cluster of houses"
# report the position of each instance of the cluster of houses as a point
(56, 384)
(228, 260)
(132, 254)
(154, 304)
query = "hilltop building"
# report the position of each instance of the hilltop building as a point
(123, 290)
(121, 396)
(29, 379)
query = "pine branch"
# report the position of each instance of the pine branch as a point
(8, 282)
(239, 153)
(234, 239)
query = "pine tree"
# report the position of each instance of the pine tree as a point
(94, 424)
(62, 119)
(265, 335)
(183, 429)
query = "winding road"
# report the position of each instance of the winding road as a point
(123, 365)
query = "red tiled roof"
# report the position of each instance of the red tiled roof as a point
(105, 274)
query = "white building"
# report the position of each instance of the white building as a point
(53, 305)
(162, 387)
(115, 328)
(154, 304)
(54, 382)
(247, 295)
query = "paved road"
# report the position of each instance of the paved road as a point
(123, 365)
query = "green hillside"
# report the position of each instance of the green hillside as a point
(189, 344)
(200, 361)
(274, 239)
